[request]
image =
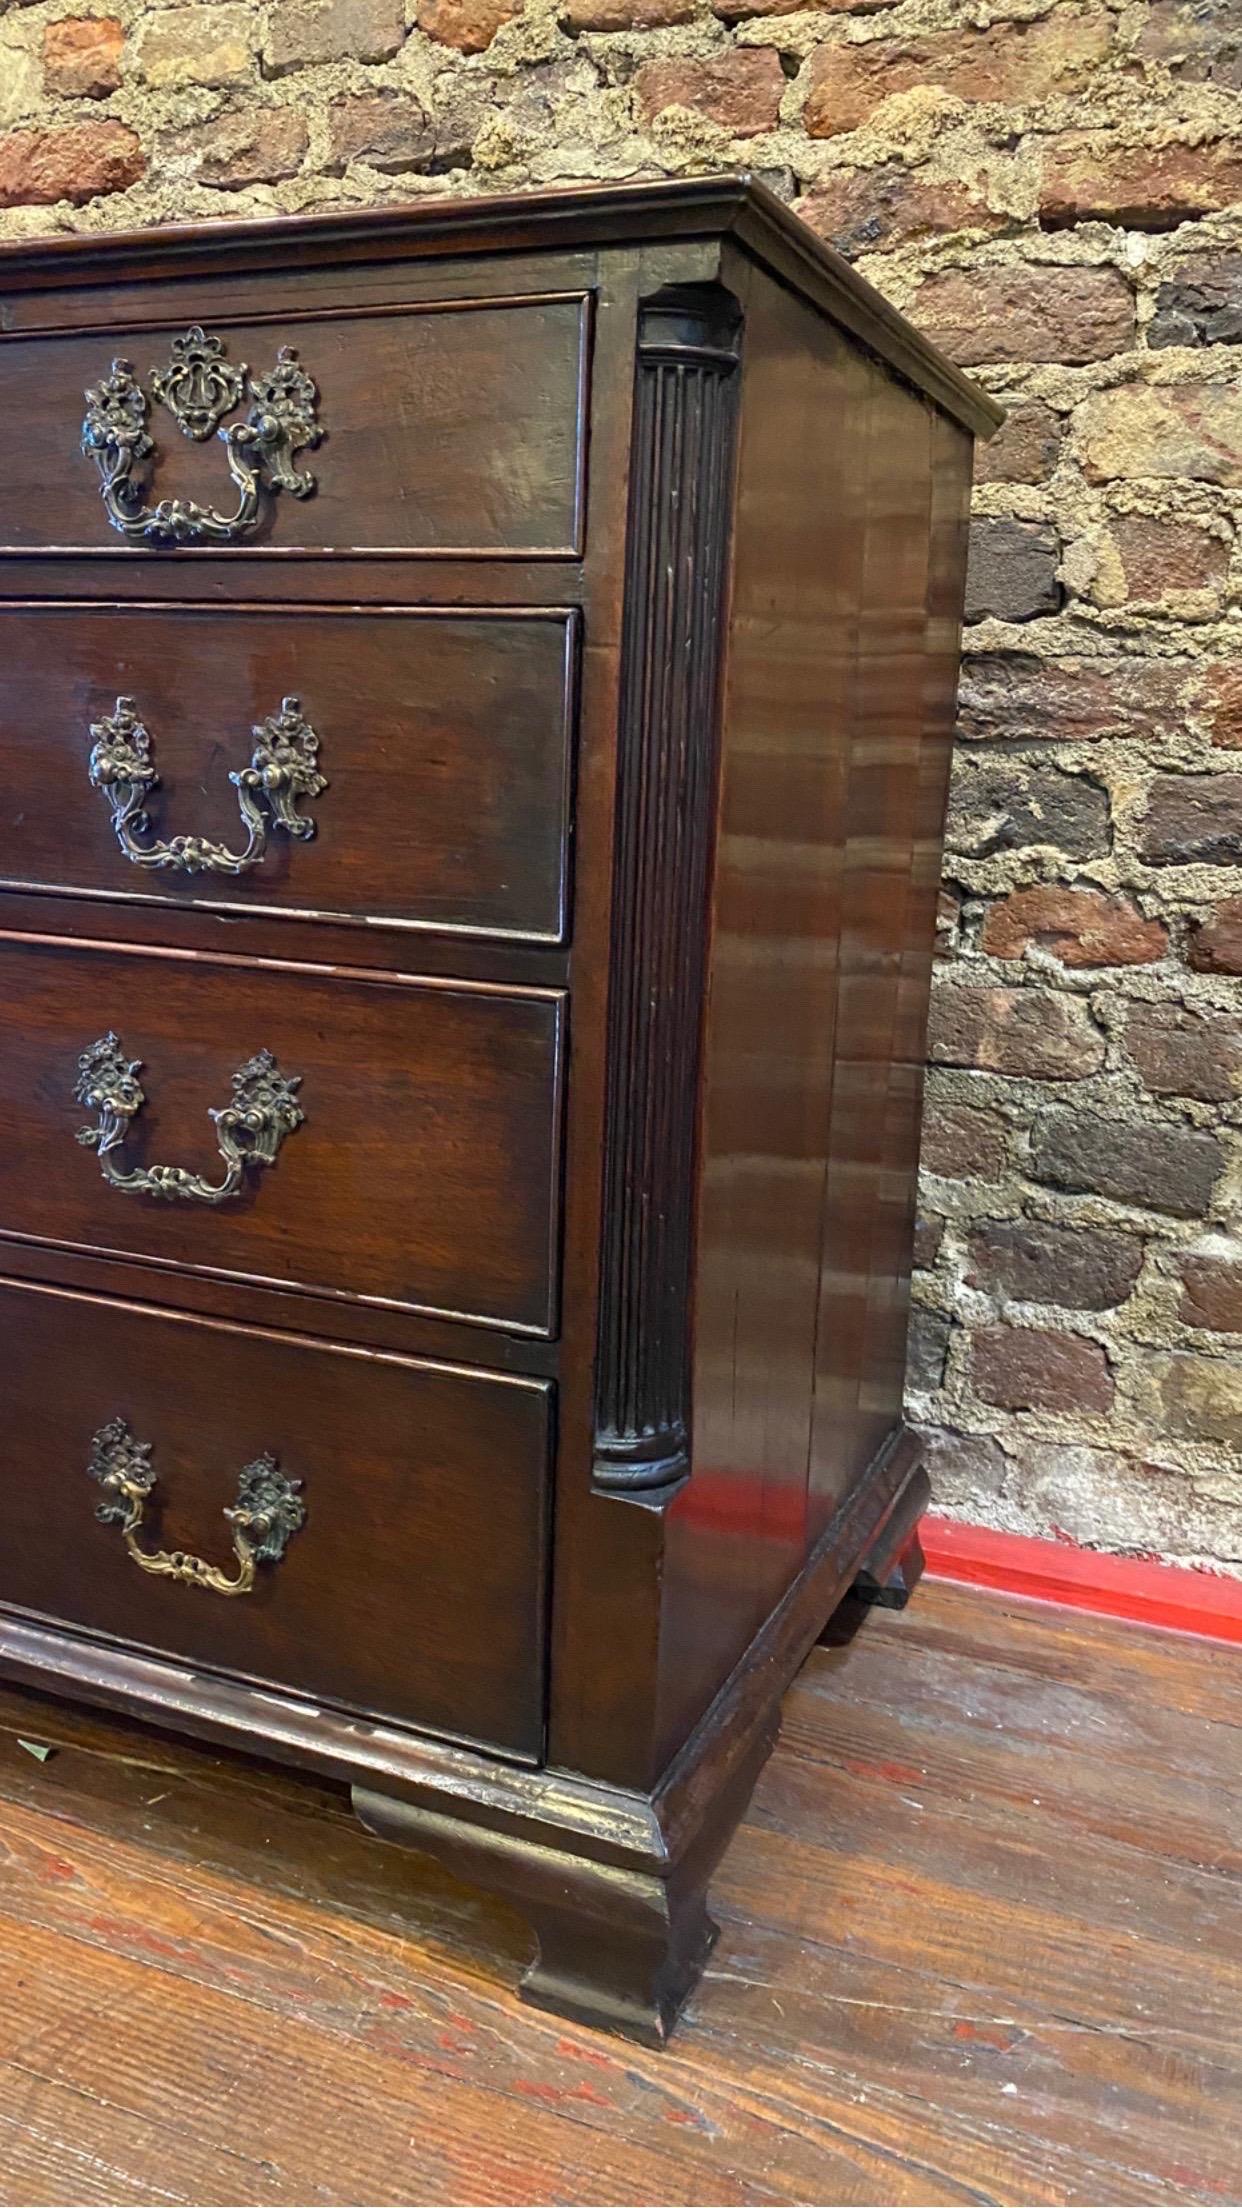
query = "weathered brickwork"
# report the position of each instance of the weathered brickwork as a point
(1053, 188)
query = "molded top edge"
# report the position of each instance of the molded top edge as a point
(735, 205)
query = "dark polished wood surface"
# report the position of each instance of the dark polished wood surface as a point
(446, 740)
(682, 212)
(424, 1490)
(624, 607)
(791, 710)
(457, 429)
(915, 489)
(425, 1171)
(839, 681)
(980, 1942)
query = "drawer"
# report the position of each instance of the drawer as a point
(445, 428)
(411, 1589)
(423, 1173)
(444, 741)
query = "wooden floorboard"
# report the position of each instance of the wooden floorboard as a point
(981, 1941)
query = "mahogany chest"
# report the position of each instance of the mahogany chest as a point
(476, 688)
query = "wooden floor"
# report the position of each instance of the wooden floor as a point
(982, 1941)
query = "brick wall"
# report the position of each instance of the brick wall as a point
(1054, 193)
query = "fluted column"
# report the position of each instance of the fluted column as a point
(676, 573)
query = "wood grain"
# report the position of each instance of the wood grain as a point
(454, 430)
(781, 536)
(684, 209)
(937, 1980)
(445, 738)
(415, 1587)
(423, 1175)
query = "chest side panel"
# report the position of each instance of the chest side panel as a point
(840, 672)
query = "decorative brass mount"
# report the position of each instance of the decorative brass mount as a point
(198, 386)
(249, 1131)
(282, 770)
(268, 1512)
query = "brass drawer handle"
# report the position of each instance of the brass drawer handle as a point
(199, 387)
(249, 1131)
(282, 770)
(268, 1511)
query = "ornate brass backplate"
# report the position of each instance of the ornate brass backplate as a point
(268, 1512)
(249, 1131)
(199, 386)
(282, 770)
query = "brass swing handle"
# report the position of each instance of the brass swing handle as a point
(282, 770)
(249, 1131)
(199, 386)
(268, 1511)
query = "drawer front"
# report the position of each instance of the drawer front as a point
(444, 741)
(423, 1171)
(430, 429)
(413, 1586)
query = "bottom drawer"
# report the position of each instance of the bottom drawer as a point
(411, 1588)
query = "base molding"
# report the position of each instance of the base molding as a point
(612, 1879)
(1138, 1588)
(619, 1949)
(623, 1948)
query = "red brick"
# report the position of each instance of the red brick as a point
(1016, 697)
(1215, 945)
(1141, 187)
(1200, 304)
(1078, 1268)
(1198, 40)
(1158, 556)
(1019, 1369)
(1002, 803)
(1030, 1033)
(948, 921)
(1178, 1052)
(872, 210)
(469, 25)
(386, 130)
(928, 1236)
(1220, 703)
(79, 162)
(252, 146)
(1211, 1293)
(1154, 1168)
(82, 56)
(962, 1144)
(1026, 313)
(741, 90)
(1012, 570)
(1193, 819)
(1080, 927)
(1010, 63)
(1025, 448)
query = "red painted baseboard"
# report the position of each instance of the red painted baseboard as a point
(1082, 1579)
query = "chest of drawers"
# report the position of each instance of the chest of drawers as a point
(476, 687)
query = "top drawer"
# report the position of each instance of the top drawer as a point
(447, 428)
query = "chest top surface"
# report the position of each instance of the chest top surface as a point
(684, 210)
